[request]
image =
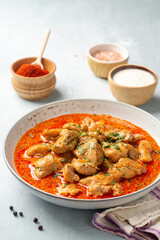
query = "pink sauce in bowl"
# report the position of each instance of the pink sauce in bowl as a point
(108, 56)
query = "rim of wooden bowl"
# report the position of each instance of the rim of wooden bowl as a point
(33, 59)
(133, 66)
(111, 46)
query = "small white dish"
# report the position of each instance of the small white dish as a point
(119, 110)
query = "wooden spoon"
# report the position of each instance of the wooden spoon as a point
(39, 58)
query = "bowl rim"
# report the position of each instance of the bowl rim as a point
(59, 196)
(41, 77)
(132, 66)
(108, 44)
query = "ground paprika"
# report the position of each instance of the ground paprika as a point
(28, 70)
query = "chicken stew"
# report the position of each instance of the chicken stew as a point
(87, 156)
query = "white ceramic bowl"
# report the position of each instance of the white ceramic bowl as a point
(120, 110)
(102, 68)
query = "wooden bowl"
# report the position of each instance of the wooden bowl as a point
(34, 88)
(132, 95)
(102, 68)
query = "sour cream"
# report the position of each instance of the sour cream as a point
(133, 77)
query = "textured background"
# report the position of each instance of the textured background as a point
(75, 27)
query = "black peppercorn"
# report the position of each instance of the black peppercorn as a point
(15, 213)
(40, 227)
(35, 220)
(21, 214)
(11, 208)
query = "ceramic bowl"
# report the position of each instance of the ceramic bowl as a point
(102, 68)
(119, 110)
(34, 88)
(132, 95)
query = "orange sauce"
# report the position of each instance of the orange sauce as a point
(51, 183)
(108, 56)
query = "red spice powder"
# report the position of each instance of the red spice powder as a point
(28, 70)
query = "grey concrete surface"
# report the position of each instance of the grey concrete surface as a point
(75, 27)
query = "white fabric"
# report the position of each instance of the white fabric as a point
(137, 220)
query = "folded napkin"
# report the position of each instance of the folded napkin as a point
(138, 220)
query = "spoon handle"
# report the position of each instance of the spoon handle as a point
(44, 42)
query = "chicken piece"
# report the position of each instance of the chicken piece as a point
(101, 138)
(107, 163)
(38, 149)
(51, 134)
(97, 126)
(114, 153)
(69, 174)
(112, 134)
(97, 185)
(65, 157)
(90, 150)
(145, 150)
(46, 165)
(69, 189)
(72, 126)
(124, 135)
(117, 189)
(127, 135)
(137, 137)
(124, 168)
(99, 177)
(67, 141)
(83, 166)
(97, 189)
(86, 136)
(110, 128)
(86, 123)
(132, 152)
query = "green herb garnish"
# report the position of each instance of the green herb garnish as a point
(38, 168)
(117, 147)
(31, 135)
(80, 133)
(103, 158)
(107, 146)
(93, 147)
(114, 134)
(83, 150)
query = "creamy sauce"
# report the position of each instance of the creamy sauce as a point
(133, 78)
(51, 183)
(108, 56)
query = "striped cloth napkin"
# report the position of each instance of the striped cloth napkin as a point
(138, 220)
